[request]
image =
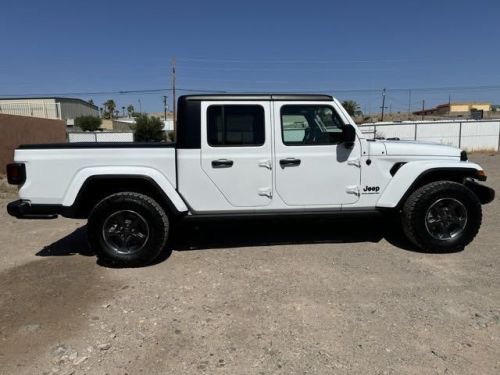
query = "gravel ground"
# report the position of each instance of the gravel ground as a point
(310, 297)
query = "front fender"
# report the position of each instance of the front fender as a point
(410, 173)
(83, 174)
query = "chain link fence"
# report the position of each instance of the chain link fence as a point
(100, 137)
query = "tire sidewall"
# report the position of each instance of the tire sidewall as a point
(157, 229)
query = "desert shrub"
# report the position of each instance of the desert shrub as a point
(88, 123)
(148, 129)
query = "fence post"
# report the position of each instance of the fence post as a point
(460, 135)
(374, 131)
(498, 147)
(416, 127)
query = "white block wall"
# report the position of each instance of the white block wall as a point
(469, 135)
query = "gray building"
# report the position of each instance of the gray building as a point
(48, 107)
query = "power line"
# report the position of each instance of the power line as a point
(290, 69)
(118, 92)
(418, 89)
(249, 61)
(193, 90)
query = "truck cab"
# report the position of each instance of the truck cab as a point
(261, 153)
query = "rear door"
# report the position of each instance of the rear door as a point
(236, 151)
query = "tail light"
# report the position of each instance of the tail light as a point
(16, 173)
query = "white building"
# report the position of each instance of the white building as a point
(49, 107)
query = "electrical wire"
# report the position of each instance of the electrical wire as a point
(119, 92)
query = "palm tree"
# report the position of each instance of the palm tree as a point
(351, 107)
(110, 107)
(130, 110)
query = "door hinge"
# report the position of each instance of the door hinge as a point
(355, 162)
(266, 164)
(266, 192)
(353, 189)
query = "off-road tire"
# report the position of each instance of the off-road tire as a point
(147, 209)
(415, 210)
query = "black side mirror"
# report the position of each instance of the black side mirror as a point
(348, 135)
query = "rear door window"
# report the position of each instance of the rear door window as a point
(235, 125)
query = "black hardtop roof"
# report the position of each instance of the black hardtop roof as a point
(241, 97)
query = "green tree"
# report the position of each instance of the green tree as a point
(109, 106)
(148, 129)
(91, 102)
(130, 110)
(351, 107)
(88, 123)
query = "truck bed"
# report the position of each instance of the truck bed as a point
(57, 171)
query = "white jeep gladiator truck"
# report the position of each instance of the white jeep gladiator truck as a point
(249, 155)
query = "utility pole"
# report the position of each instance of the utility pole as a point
(174, 97)
(423, 109)
(409, 104)
(383, 104)
(165, 106)
(140, 106)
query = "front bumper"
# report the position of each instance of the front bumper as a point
(484, 193)
(23, 209)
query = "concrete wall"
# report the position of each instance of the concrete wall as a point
(107, 124)
(468, 134)
(122, 126)
(465, 107)
(16, 130)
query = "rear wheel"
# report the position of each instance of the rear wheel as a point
(442, 216)
(128, 229)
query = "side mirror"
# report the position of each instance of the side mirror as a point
(348, 135)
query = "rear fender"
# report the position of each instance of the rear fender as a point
(150, 173)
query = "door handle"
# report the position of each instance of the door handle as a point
(289, 162)
(222, 163)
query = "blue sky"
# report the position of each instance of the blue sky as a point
(328, 46)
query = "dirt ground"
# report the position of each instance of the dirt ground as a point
(294, 297)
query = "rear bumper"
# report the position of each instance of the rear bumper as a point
(484, 193)
(23, 209)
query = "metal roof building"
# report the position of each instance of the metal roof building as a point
(48, 107)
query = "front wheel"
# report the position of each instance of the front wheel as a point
(129, 229)
(442, 216)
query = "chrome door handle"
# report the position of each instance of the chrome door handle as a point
(222, 163)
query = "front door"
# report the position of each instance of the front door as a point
(313, 166)
(236, 151)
